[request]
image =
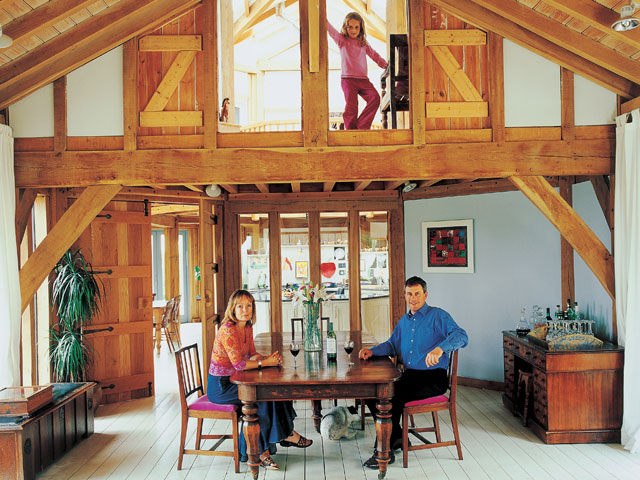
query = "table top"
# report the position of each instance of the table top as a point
(313, 368)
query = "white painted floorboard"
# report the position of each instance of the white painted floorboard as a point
(139, 440)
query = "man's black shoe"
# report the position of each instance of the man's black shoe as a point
(372, 463)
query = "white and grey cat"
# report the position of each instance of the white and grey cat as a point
(339, 423)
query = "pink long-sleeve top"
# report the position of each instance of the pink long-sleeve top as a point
(231, 350)
(353, 55)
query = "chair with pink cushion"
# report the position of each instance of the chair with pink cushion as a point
(432, 405)
(199, 406)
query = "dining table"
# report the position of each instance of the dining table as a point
(312, 377)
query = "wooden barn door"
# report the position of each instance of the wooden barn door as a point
(118, 243)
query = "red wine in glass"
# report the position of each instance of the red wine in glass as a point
(348, 348)
(294, 348)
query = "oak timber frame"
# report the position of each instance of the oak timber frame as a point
(519, 157)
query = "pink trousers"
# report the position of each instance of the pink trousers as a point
(352, 87)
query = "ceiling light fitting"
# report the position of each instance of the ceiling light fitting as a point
(626, 22)
(213, 190)
(5, 40)
(408, 186)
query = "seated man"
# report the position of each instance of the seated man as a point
(424, 337)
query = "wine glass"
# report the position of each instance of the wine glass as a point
(294, 348)
(348, 347)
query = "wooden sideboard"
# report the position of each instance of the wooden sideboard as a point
(29, 444)
(577, 394)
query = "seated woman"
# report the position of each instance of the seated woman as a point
(234, 350)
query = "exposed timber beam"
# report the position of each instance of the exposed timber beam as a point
(246, 33)
(360, 186)
(45, 15)
(81, 44)
(476, 14)
(601, 188)
(70, 226)
(597, 16)
(323, 164)
(570, 226)
(23, 211)
(248, 21)
(567, 38)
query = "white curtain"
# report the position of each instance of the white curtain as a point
(627, 265)
(9, 278)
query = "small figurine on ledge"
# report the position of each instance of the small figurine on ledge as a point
(224, 112)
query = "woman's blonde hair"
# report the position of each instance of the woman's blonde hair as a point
(234, 299)
(363, 33)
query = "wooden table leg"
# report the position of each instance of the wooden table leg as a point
(251, 433)
(383, 433)
(317, 414)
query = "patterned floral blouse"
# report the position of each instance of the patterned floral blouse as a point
(231, 350)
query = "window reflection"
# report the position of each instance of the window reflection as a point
(334, 267)
(374, 274)
(254, 261)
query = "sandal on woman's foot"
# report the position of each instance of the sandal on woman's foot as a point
(301, 443)
(268, 463)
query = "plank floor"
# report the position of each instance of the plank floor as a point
(139, 440)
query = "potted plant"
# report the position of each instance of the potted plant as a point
(76, 296)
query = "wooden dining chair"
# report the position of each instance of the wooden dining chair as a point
(432, 405)
(175, 322)
(190, 383)
(166, 324)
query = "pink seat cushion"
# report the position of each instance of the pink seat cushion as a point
(427, 401)
(203, 403)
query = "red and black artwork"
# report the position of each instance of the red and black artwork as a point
(448, 247)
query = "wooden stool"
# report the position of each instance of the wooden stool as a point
(524, 394)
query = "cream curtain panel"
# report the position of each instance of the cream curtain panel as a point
(627, 265)
(9, 278)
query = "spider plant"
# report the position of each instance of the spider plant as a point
(76, 296)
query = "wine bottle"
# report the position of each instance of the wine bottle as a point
(549, 319)
(569, 310)
(558, 312)
(332, 343)
(576, 311)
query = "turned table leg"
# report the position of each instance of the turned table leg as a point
(383, 433)
(251, 432)
(317, 414)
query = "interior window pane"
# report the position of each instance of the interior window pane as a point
(254, 260)
(294, 245)
(374, 274)
(334, 267)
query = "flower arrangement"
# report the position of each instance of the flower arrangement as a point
(306, 294)
(311, 298)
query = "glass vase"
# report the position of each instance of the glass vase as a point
(312, 331)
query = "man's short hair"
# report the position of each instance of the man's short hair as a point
(415, 280)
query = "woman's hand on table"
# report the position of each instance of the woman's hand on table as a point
(273, 360)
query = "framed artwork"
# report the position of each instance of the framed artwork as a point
(302, 269)
(447, 246)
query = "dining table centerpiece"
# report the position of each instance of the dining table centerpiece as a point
(310, 297)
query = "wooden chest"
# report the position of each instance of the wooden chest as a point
(29, 444)
(577, 395)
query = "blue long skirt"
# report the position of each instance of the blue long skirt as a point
(275, 418)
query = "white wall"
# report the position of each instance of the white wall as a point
(517, 263)
(531, 88)
(593, 104)
(94, 97)
(33, 115)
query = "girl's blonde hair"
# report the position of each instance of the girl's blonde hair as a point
(234, 299)
(362, 36)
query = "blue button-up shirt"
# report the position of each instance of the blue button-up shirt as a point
(416, 335)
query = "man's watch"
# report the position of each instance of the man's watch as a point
(259, 364)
